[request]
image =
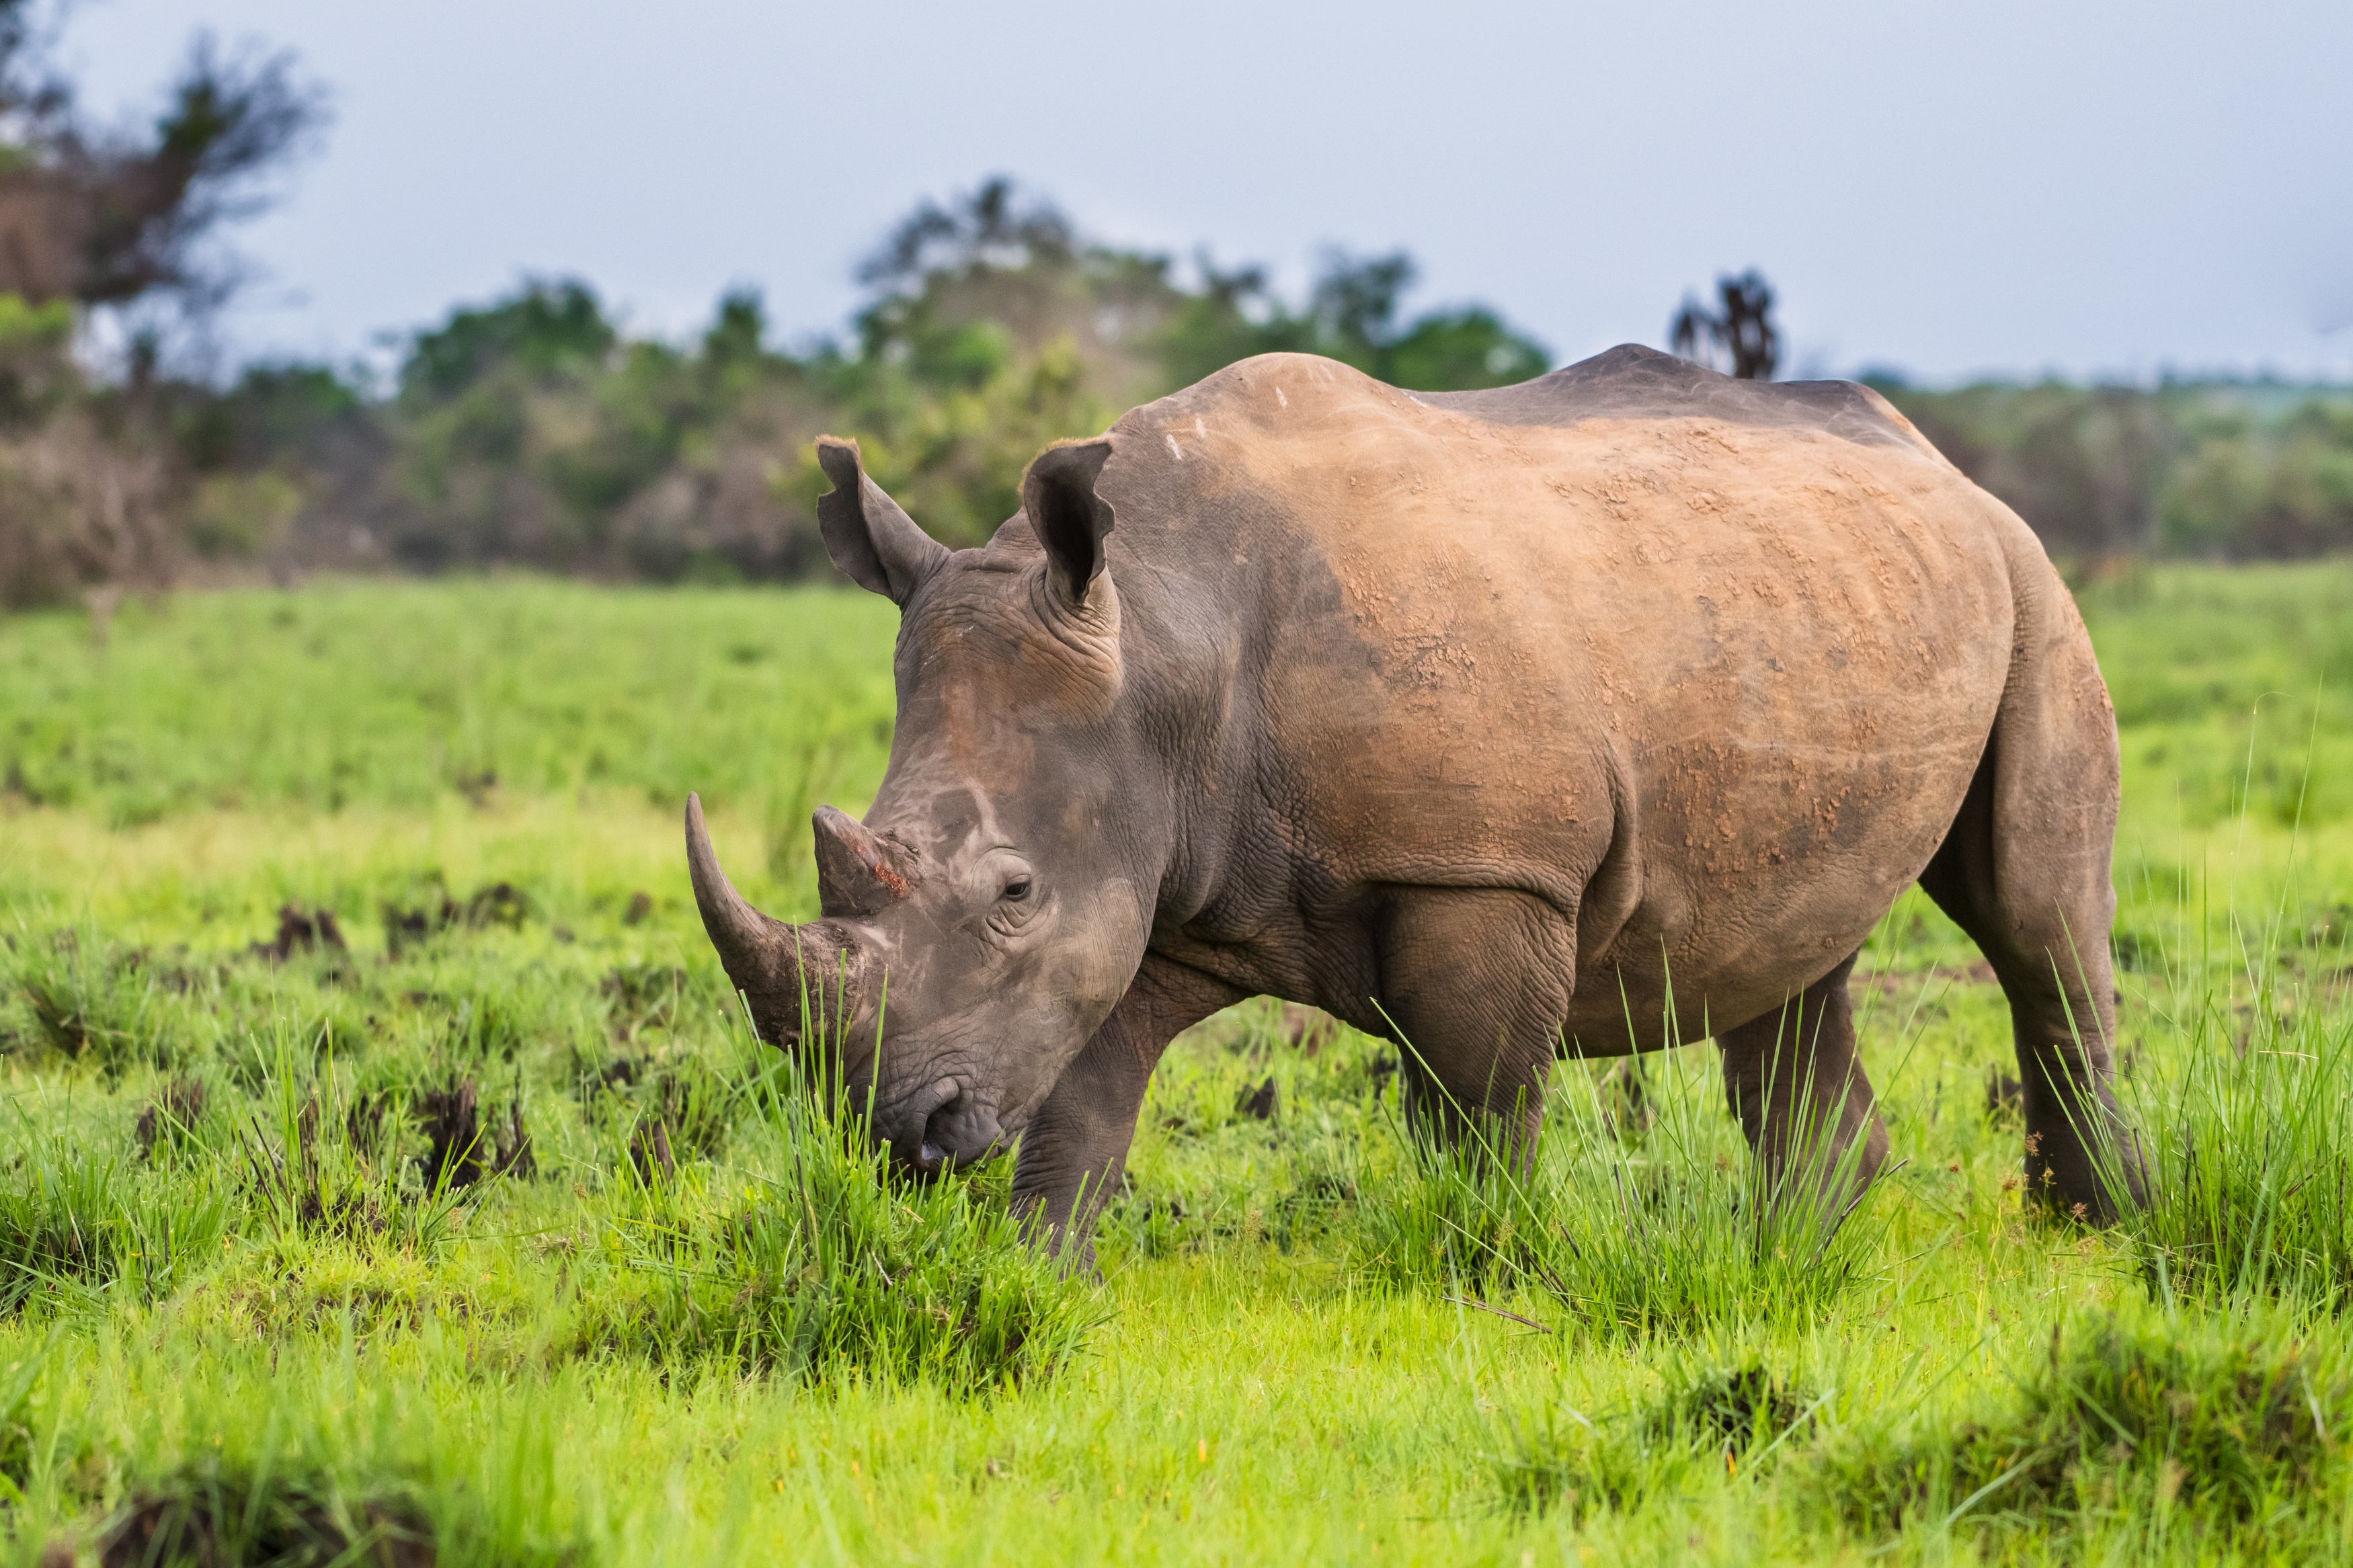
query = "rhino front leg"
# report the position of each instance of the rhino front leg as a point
(1475, 983)
(1075, 1150)
(1797, 1087)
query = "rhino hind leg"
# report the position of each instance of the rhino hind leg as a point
(1474, 985)
(1797, 1087)
(2024, 870)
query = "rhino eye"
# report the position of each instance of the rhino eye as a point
(1017, 889)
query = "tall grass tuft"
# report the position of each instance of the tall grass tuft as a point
(2252, 1163)
(2247, 1124)
(77, 1226)
(1670, 1227)
(208, 1513)
(89, 1000)
(290, 1511)
(17, 1381)
(814, 1259)
(316, 1160)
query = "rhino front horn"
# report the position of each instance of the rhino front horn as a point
(855, 876)
(755, 949)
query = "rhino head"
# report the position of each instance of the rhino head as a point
(994, 905)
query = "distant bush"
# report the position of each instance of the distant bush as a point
(2241, 471)
(533, 429)
(2246, 484)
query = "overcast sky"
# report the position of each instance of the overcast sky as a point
(2094, 188)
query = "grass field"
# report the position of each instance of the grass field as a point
(385, 1178)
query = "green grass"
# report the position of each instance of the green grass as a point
(478, 1223)
(2197, 661)
(397, 696)
(806, 1256)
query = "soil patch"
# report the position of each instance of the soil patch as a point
(464, 1151)
(299, 931)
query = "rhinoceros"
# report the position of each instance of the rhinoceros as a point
(1583, 717)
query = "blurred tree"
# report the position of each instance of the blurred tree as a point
(1738, 337)
(1354, 309)
(992, 330)
(1355, 302)
(107, 219)
(995, 328)
(1351, 316)
(1233, 315)
(992, 228)
(545, 329)
(98, 479)
(2083, 465)
(735, 341)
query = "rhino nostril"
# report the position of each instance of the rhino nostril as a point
(922, 1115)
(929, 1103)
(937, 1133)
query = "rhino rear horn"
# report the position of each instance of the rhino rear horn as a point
(757, 951)
(877, 545)
(855, 874)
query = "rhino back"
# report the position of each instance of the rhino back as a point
(1631, 382)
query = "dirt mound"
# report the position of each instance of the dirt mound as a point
(463, 1152)
(301, 933)
(500, 904)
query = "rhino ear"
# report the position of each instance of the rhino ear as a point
(876, 546)
(1069, 520)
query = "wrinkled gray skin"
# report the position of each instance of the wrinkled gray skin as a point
(1581, 717)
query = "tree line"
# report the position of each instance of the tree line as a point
(533, 430)
(2218, 470)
